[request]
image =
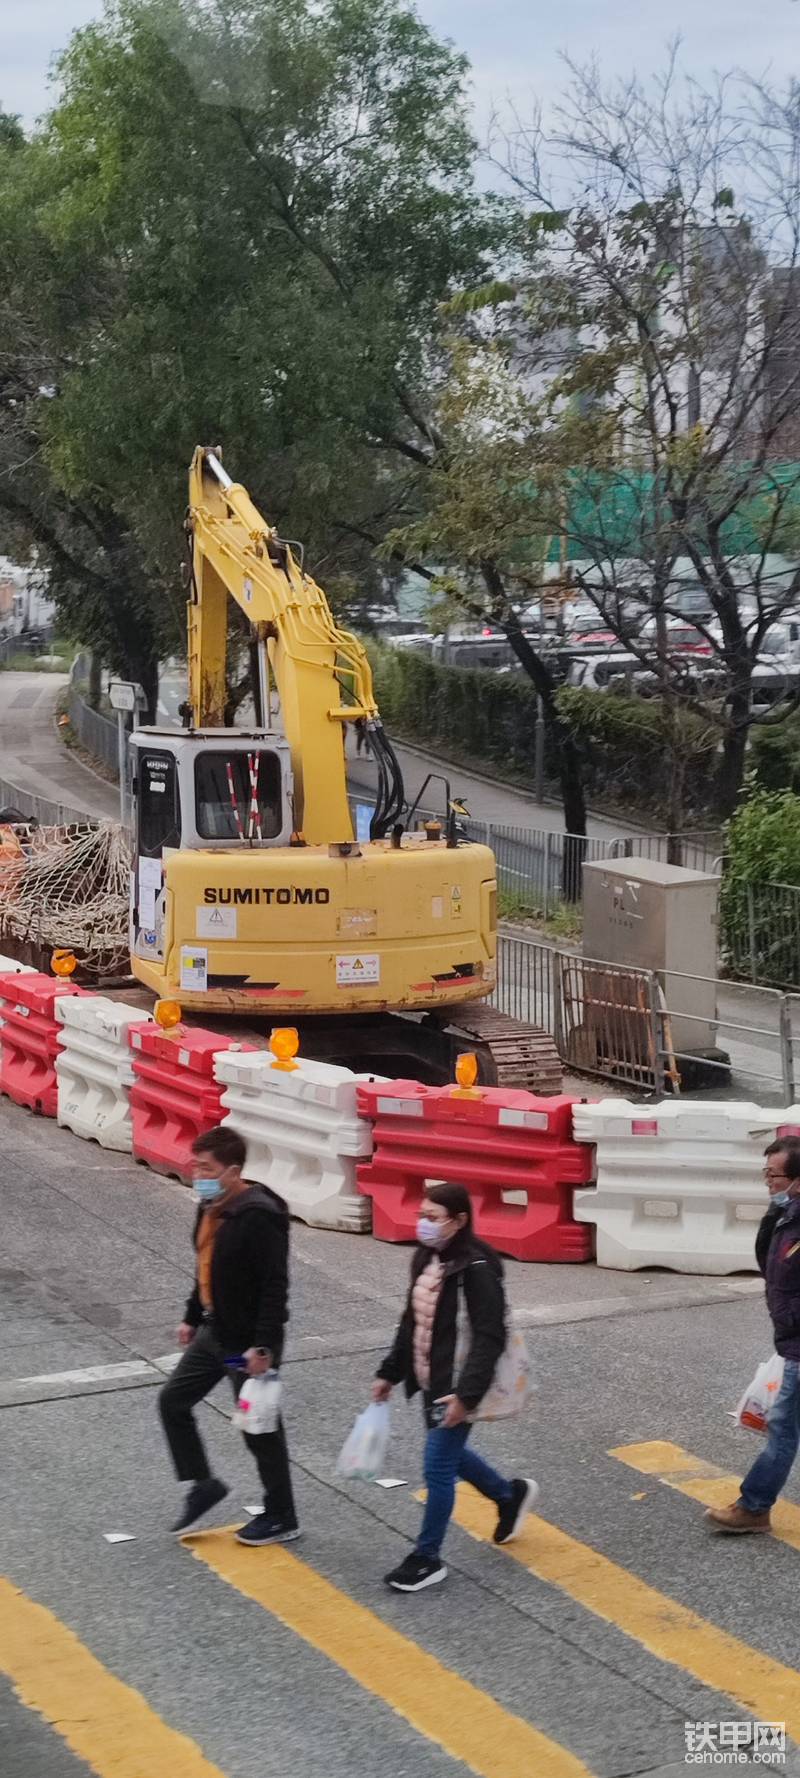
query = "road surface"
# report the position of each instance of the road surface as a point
(597, 1644)
(34, 759)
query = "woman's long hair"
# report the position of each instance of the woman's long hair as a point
(453, 1198)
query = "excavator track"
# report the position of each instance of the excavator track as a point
(511, 1053)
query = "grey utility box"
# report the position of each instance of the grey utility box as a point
(658, 917)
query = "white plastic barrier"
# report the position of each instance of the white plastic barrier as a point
(95, 1069)
(303, 1134)
(679, 1185)
(10, 966)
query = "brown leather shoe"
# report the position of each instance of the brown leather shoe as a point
(737, 1519)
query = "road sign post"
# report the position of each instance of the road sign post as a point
(126, 698)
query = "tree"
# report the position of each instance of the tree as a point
(489, 503)
(95, 569)
(255, 211)
(668, 301)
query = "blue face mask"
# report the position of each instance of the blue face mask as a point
(782, 1199)
(206, 1191)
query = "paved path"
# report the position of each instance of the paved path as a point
(32, 756)
(585, 1648)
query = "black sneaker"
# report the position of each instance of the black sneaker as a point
(416, 1572)
(199, 1500)
(512, 1514)
(266, 1529)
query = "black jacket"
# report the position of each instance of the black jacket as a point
(778, 1255)
(471, 1270)
(249, 1273)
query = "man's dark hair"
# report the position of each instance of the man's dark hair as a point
(790, 1147)
(226, 1145)
(454, 1198)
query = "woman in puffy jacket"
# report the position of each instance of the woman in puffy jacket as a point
(451, 1264)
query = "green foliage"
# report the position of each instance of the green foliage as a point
(629, 746)
(490, 719)
(763, 838)
(238, 226)
(775, 755)
(759, 934)
(264, 207)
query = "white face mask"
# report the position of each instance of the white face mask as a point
(434, 1234)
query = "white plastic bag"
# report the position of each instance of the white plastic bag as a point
(363, 1454)
(754, 1407)
(259, 1405)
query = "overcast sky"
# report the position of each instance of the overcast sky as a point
(513, 44)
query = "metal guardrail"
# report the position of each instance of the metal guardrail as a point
(38, 808)
(761, 931)
(619, 1024)
(95, 732)
(541, 868)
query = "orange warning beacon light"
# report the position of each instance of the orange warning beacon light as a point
(284, 1044)
(63, 964)
(466, 1075)
(167, 1014)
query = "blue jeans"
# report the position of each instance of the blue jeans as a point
(446, 1457)
(770, 1472)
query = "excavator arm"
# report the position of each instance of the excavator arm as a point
(321, 672)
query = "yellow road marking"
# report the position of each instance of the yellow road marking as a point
(703, 1481)
(764, 1688)
(467, 1723)
(103, 1721)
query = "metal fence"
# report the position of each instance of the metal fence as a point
(95, 732)
(539, 869)
(635, 1028)
(38, 808)
(760, 931)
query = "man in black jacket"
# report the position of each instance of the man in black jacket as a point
(778, 1255)
(234, 1321)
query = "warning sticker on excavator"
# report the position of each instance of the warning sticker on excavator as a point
(216, 922)
(354, 970)
(455, 899)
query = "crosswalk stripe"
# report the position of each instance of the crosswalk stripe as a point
(465, 1722)
(105, 1722)
(703, 1481)
(762, 1686)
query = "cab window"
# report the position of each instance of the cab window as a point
(238, 795)
(158, 803)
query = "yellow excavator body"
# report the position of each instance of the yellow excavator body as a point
(249, 891)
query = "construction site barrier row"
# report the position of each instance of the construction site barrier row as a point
(677, 1185)
(514, 1152)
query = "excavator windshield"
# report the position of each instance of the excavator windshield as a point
(238, 795)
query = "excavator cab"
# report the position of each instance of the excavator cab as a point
(208, 790)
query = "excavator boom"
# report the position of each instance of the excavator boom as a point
(236, 555)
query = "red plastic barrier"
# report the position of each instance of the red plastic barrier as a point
(505, 1141)
(30, 1039)
(174, 1095)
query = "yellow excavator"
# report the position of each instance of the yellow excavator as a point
(250, 893)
